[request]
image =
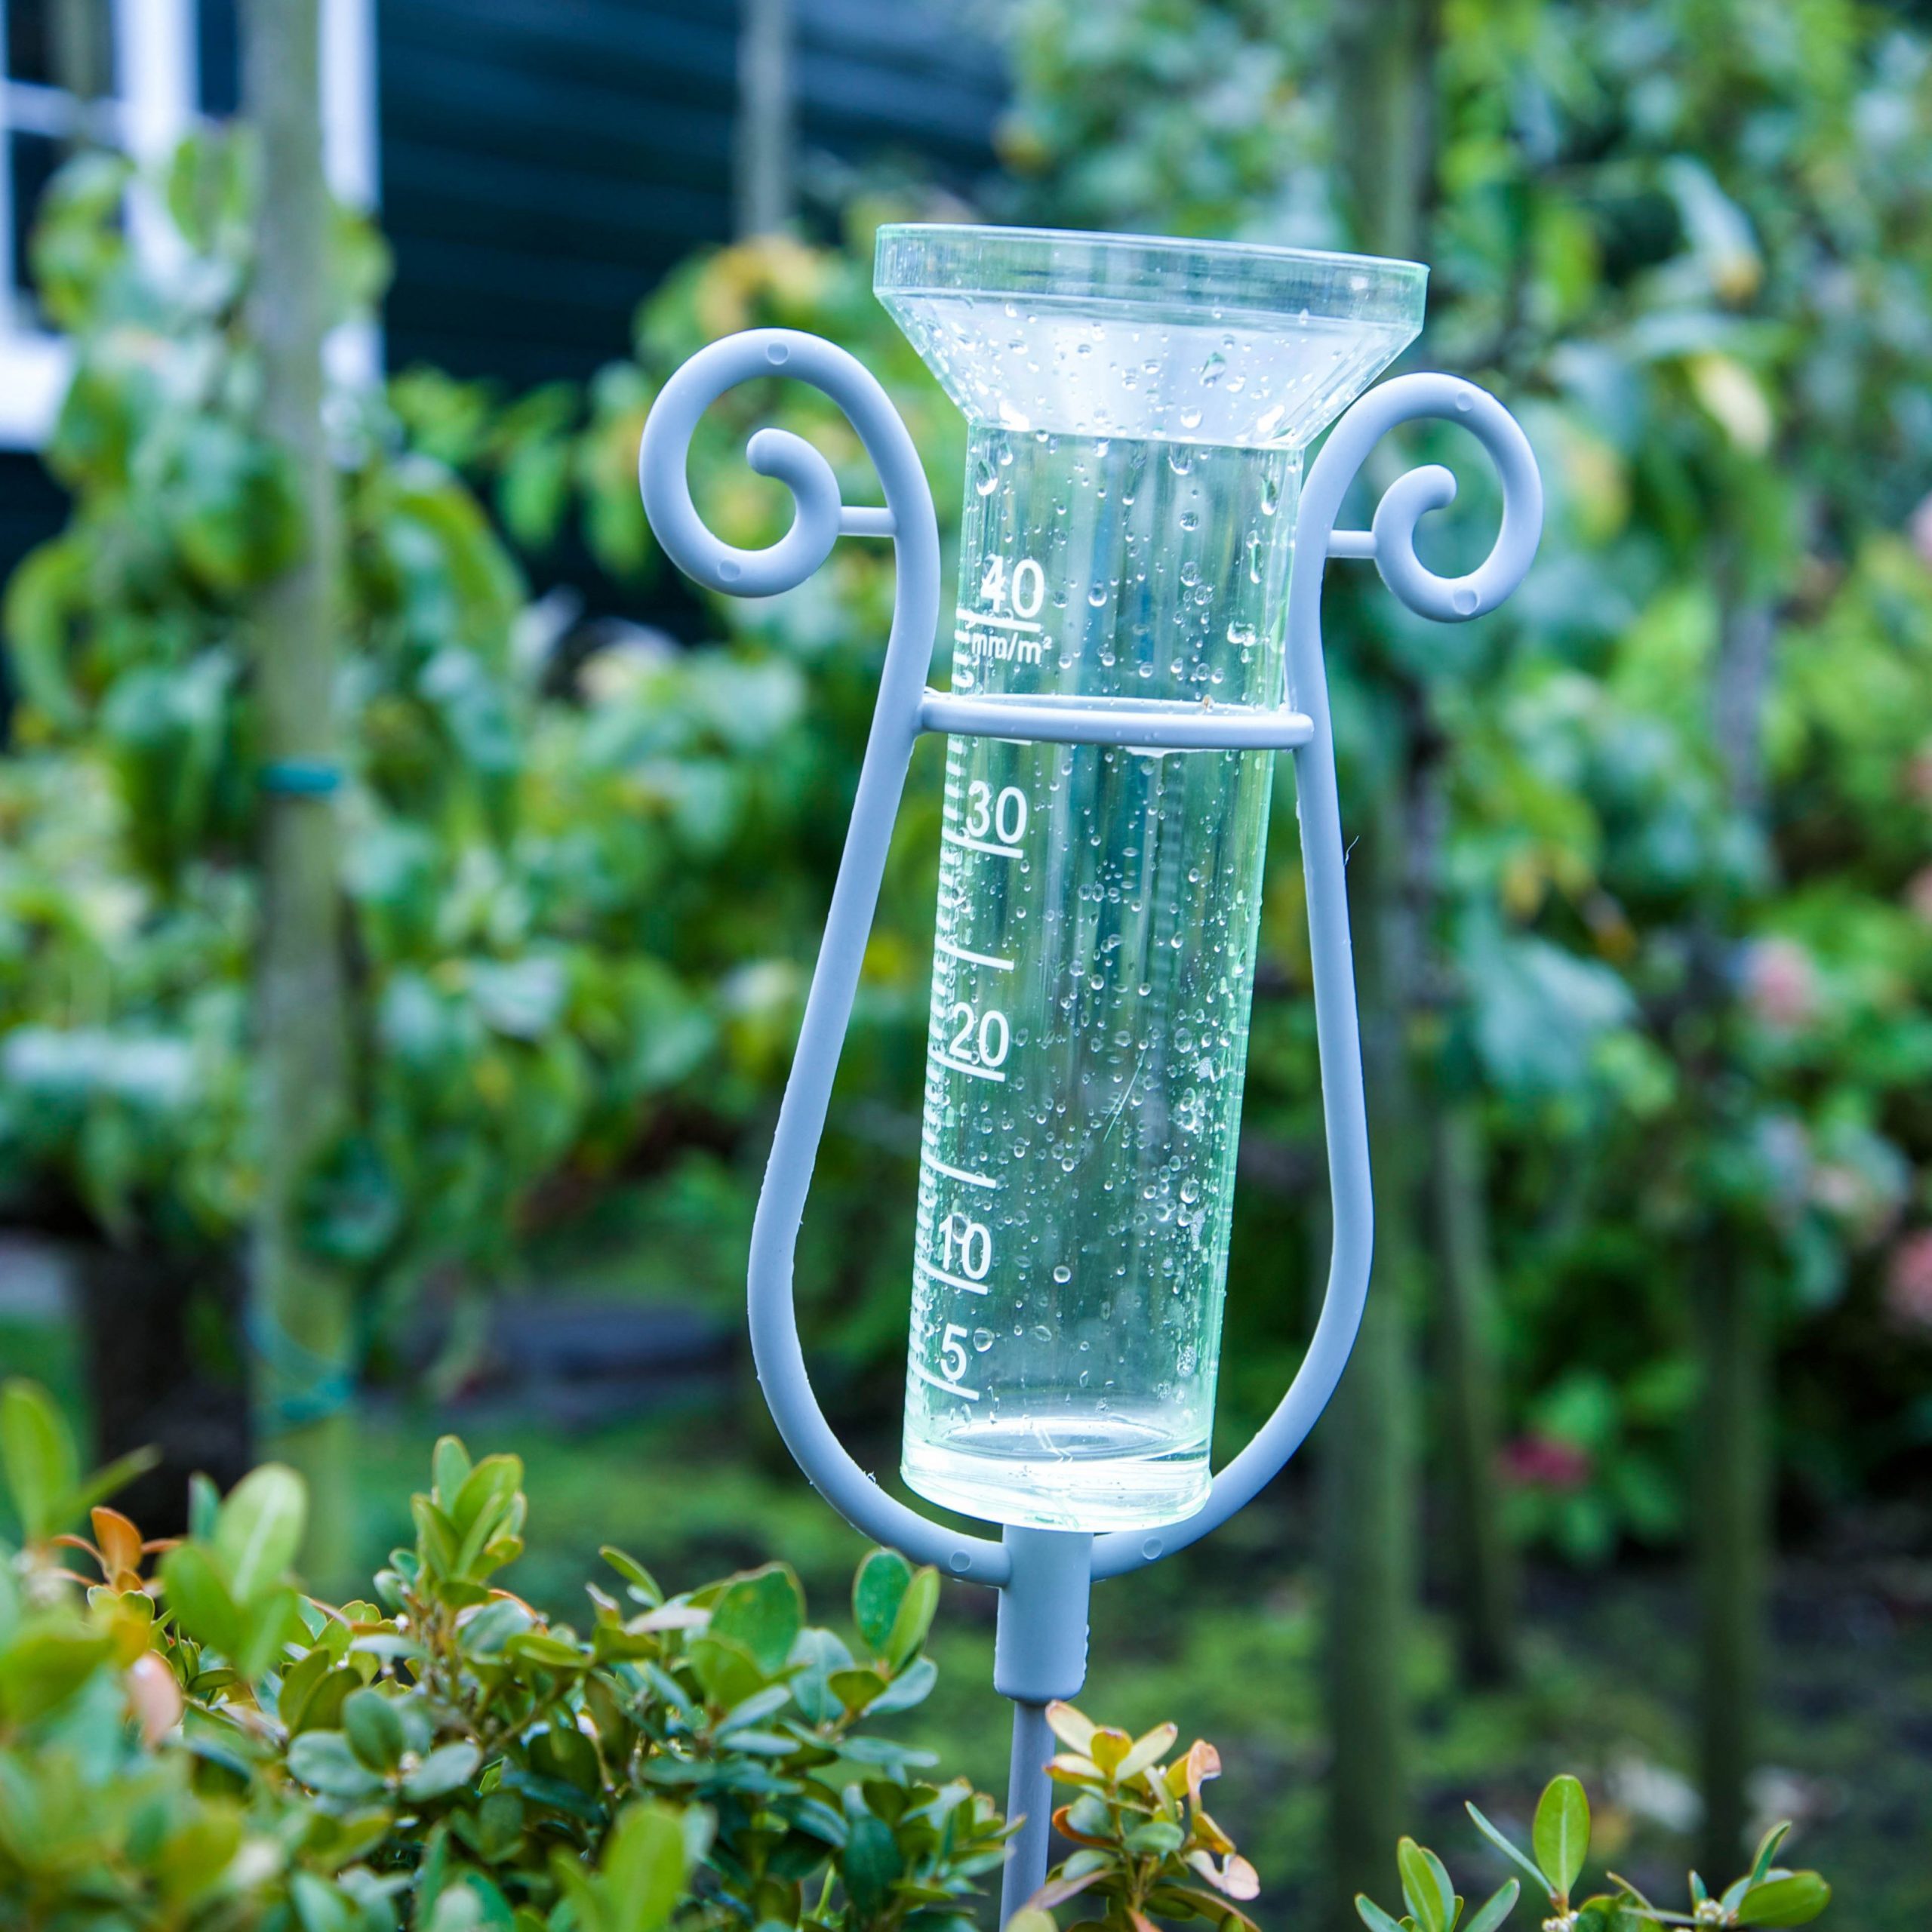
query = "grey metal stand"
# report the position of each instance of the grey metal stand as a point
(1045, 1576)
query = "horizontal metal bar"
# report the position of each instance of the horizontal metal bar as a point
(1351, 543)
(1143, 724)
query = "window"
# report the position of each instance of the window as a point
(160, 65)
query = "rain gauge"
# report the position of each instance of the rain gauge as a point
(1135, 634)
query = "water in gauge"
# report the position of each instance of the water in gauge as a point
(1092, 980)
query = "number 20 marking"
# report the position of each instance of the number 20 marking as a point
(983, 1038)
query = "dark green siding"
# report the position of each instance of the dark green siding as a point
(545, 161)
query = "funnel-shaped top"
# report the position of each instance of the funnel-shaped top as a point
(1140, 337)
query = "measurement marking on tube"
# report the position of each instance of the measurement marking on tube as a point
(951, 1281)
(940, 1381)
(967, 1067)
(976, 958)
(966, 617)
(960, 1174)
(953, 838)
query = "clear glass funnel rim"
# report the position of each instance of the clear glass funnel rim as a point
(1078, 268)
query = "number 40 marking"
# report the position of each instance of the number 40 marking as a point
(1028, 587)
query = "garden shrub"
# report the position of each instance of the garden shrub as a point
(189, 1743)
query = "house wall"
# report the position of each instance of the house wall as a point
(542, 163)
(545, 161)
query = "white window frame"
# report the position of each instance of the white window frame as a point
(157, 93)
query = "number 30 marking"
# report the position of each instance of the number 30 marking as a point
(1005, 815)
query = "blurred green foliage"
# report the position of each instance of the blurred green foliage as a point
(582, 901)
(1682, 964)
(1688, 242)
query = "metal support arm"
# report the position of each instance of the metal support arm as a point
(1044, 1576)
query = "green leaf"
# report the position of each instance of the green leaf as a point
(820, 1655)
(373, 1728)
(1496, 1908)
(912, 1686)
(857, 1689)
(1508, 1850)
(762, 1613)
(1793, 1899)
(320, 1709)
(268, 1624)
(45, 594)
(318, 1906)
(1767, 1850)
(449, 1469)
(547, 1652)
(258, 1531)
(485, 1494)
(645, 1860)
(324, 1761)
(37, 1451)
(1425, 1886)
(643, 1584)
(913, 1619)
(45, 1665)
(728, 1672)
(1370, 1914)
(204, 1507)
(447, 1768)
(1561, 1833)
(871, 1864)
(877, 1591)
(194, 1590)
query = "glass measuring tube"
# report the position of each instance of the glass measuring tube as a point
(1094, 962)
(1132, 476)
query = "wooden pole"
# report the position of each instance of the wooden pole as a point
(300, 1313)
(1733, 1541)
(1370, 1519)
(1385, 149)
(1481, 1563)
(765, 134)
(81, 55)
